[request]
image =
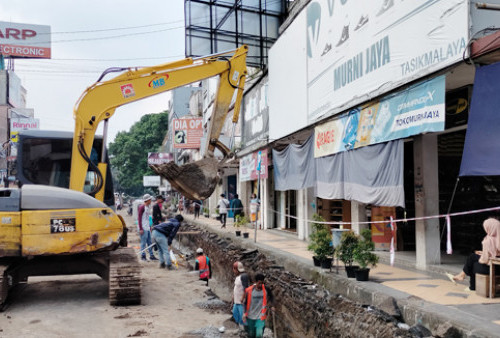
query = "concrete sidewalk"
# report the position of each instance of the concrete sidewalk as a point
(426, 297)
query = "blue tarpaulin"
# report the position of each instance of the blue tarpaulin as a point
(481, 156)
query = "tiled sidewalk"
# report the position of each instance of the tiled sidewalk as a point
(431, 286)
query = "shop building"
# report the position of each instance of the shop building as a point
(367, 119)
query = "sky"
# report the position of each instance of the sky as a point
(89, 36)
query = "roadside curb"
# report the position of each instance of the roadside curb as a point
(441, 320)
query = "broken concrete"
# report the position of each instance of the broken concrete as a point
(304, 308)
(440, 320)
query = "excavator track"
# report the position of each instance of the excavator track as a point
(124, 277)
(4, 284)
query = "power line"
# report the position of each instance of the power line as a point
(112, 29)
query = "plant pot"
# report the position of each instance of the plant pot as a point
(245, 235)
(362, 274)
(238, 233)
(350, 270)
(326, 263)
(316, 261)
(207, 215)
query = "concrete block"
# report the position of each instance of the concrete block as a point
(482, 285)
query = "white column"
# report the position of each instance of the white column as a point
(425, 156)
(282, 210)
(264, 204)
(301, 213)
(311, 209)
(358, 214)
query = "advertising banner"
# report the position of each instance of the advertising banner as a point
(382, 232)
(23, 40)
(160, 158)
(255, 114)
(416, 110)
(376, 47)
(249, 166)
(18, 124)
(187, 132)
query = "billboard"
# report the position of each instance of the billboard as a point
(256, 114)
(151, 181)
(160, 158)
(418, 109)
(24, 40)
(249, 164)
(354, 53)
(187, 132)
(17, 93)
(18, 124)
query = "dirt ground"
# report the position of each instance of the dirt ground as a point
(174, 304)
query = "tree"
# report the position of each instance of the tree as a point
(129, 151)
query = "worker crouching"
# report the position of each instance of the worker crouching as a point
(202, 265)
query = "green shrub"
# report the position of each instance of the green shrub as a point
(241, 221)
(345, 250)
(363, 251)
(320, 239)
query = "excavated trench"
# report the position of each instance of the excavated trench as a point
(303, 308)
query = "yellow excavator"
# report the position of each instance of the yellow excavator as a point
(48, 229)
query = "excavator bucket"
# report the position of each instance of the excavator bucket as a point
(196, 180)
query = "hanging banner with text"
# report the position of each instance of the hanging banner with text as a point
(249, 165)
(187, 132)
(160, 158)
(418, 109)
(355, 51)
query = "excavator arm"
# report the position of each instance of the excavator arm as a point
(99, 101)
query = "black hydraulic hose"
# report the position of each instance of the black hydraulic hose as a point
(99, 184)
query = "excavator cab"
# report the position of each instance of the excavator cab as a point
(44, 157)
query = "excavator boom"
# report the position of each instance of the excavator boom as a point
(99, 101)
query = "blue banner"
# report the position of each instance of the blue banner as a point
(418, 109)
(481, 156)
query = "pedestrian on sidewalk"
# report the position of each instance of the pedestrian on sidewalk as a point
(254, 209)
(236, 206)
(203, 265)
(257, 299)
(159, 213)
(222, 206)
(163, 235)
(197, 208)
(241, 282)
(477, 262)
(144, 227)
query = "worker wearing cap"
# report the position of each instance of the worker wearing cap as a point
(203, 265)
(144, 227)
(241, 282)
(163, 236)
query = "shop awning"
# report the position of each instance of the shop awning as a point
(371, 175)
(481, 156)
(294, 166)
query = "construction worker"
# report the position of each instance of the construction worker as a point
(257, 299)
(203, 265)
(163, 235)
(241, 282)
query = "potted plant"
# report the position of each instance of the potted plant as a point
(238, 223)
(206, 212)
(320, 243)
(241, 221)
(345, 251)
(364, 256)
